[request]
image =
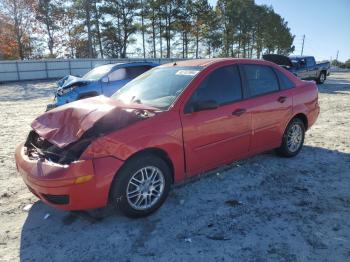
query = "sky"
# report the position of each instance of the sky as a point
(325, 24)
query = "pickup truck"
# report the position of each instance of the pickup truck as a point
(304, 67)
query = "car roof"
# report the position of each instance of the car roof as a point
(212, 61)
(196, 62)
(137, 63)
(126, 64)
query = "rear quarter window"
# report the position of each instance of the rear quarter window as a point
(285, 83)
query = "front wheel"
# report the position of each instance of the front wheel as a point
(142, 186)
(293, 138)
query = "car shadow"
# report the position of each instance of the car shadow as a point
(335, 85)
(56, 235)
(27, 90)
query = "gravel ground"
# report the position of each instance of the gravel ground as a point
(264, 208)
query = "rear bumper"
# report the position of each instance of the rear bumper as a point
(56, 184)
(313, 115)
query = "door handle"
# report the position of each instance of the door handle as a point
(239, 112)
(282, 99)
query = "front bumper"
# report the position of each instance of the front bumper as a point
(50, 106)
(55, 184)
(60, 100)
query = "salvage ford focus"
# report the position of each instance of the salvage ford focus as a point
(167, 125)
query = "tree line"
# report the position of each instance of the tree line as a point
(140, 28)
(340, 64)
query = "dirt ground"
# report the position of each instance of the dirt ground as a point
(265, 208)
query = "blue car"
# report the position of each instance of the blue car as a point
(102, 80)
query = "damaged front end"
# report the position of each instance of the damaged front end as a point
(40, 148)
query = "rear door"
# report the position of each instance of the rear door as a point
(270, 106)
(217, 136)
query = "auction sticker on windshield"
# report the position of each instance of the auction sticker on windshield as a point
(187, 72)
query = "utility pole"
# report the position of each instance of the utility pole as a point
(302, 47)
(337, 56)
(143, 30)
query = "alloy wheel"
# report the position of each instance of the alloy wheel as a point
(294, 138)
(145, 188)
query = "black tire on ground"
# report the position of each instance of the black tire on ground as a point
(118, 193)
(321, 78)
(285, 150)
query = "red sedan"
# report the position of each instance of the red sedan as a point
(169, 124)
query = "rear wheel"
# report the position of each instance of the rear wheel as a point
(321, 78)
(293, 138)
(142, 186)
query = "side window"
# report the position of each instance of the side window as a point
(260, 79)
(302, 62)
(285, 83)
(133, 72)
(310, 61)
(118, 74)
(223, 86)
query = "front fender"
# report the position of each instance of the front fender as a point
(171, 145)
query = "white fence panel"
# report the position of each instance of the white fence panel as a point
(8, 67)
(56, 68)
(57, 65)
(58, 73)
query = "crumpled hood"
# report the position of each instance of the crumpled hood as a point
(67, 124)
(70, 80)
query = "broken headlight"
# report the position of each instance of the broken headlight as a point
(64, 91)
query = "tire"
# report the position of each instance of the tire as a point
(291, 145)
(321, 78)
(131, 175)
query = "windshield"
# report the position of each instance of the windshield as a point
(158, 87)
(98, 72)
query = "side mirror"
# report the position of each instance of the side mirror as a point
(105, 79)
(204, 105)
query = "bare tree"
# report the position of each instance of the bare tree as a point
(20, 13)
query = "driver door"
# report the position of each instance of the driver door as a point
(303, 72)
(216, 136)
